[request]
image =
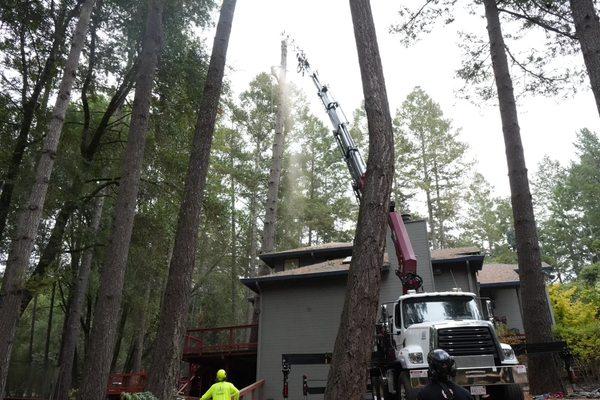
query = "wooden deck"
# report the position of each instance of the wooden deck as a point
(225, 341)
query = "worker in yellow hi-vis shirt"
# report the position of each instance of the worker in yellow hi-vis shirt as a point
(222, 390)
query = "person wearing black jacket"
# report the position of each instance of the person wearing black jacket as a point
(441, 369)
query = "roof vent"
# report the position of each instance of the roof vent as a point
(456, 289)
(411, 291)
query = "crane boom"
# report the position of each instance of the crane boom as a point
(407, 261)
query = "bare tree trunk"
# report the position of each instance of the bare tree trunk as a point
(49, 325)
(427, 181)
(270, 228)
(233, 271)
(32, 331)
(354, 342)
(120, 331)
(29, 218)
(587, 28)
(110, 293)
(72, 324)
(166, 353)
(138, 345)
(542, 371)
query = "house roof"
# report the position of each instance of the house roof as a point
(457, 252)
(494, 275)
(335, 249)
(505, 275)
(458, 255)
(334, 267)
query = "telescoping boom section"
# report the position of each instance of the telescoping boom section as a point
(407, 261)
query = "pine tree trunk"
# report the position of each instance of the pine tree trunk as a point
(270, 225)
(354, 342)
(29, 218)
(167, 349)
(106, 312)
(32, 331)
(587, 28)
(270, 228)
(233, 272)
(543, 373)
(138, 345)
(29, 107)
(427, 182)
(120, 332)
(72, 322)
(49, 325)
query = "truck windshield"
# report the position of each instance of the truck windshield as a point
(438, 308)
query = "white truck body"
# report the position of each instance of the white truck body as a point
(421, 322)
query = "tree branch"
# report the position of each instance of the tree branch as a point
(538, 22)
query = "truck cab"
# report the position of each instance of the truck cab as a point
(419, 322)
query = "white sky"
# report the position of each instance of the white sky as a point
(323, 28)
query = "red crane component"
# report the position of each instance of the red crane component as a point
(407, 261)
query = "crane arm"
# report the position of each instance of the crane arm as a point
(407, 261)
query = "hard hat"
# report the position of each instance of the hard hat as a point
(221, 375)
(441, 365)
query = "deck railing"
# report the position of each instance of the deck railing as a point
(252, 392)
(225, 339)
(126, 383)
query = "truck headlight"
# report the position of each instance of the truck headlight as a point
(416, 358)
(508, 353)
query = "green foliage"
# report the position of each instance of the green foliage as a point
(487, 222)
(430, 159)
(567, 208)
(577, 311)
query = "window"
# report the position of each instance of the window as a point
(438, 308)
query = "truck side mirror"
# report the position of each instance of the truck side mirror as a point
(490, 310)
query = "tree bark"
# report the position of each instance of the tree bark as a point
(120, 331)
(587, 28)
(29, 108)
(138, 344)
(29, 218)
(354, 342)
(49, 325)
(543, 373)
(72, 324)
(270, 228)
(270, 225)
(427, 181)
(167, 349)
(106, 312)
(32, 331)
(233, 271)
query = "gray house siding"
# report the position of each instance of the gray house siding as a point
(303, 316)
(448, 277)
(300, 317)
(391, 289)
(506, 305)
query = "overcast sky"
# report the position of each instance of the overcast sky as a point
(324, 29)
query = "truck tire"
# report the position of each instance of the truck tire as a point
(506, 392)
(404, 390)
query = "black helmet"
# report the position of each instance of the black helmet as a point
(441, 365)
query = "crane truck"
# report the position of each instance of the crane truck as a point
(418, 322)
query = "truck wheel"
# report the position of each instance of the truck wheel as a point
(506, 392)
(405, 391)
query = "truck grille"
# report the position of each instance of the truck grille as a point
(467, 341)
